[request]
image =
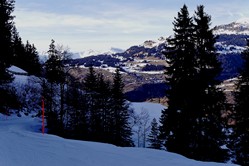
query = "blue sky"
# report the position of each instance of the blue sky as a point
(102, 24)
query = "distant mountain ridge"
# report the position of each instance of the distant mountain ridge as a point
(239, 27)
(143, 65)
(92, 52)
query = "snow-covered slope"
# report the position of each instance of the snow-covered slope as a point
(22, 144)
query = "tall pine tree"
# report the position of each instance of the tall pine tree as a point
(153, 138)
(77, 125)
(8, 99)
(192, 124)
(240, 135)
(25, 56)
(31, 60)
(55, 75)
(120, 113)
(176, 120)
(210, 127)
(91, 88)
(6, 27)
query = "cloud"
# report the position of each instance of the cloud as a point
(126, 21)
(101, 23)
(118, 27)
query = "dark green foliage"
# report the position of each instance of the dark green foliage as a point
(96, 103)
(6, 26)
(8, 95)
(153, 137)
(90, 82)
(32, 64)
(120, 112)
(107, 109)
(210, 99)
(192, 124)
(48, 91)
(25, 56)
(180, 72)
(240, 135)
(54, 89)
(8, 100)
(95, 110)
(91, 87)
(54, 66)
(103, 107)
(77, 126)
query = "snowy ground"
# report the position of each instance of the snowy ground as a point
(153, 109)
(22, 144)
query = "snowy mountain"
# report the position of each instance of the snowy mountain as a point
(91, 52)
(153, 43)
(143, 65)
(147, 58)
(231, 41)
(239, 27)
(23, 144)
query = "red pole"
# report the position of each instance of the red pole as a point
(43, 115)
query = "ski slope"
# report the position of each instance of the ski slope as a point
(22, 144)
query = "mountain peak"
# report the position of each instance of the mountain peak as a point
(244, 20)
(153, 43)
(91, 52)
(240, 26)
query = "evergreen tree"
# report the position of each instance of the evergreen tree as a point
(120, 113)
(90, 81)
(32, 63)
(18, 49)
(153, 137)
(99, 106)
(77, 123)
(6, 26)
(103, 107)
(210, 130)
(240, 135)
(8, 99)
(176, 124)
(90, 87)
(54, 66)
(26, 56)
(55, 75)
(192, 124)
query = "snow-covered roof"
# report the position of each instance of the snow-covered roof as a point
(17, 70)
